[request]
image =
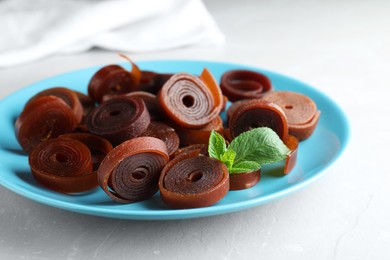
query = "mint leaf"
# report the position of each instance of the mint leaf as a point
(261, 145)
(247, 166)
(248, 151)
(228, 158)
(217, 145)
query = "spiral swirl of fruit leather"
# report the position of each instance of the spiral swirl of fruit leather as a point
(119, 119)
(41, 119)
(149, 99)
(301, 112)
(113, 79)
(244, 84)
(199, 136)
(130, 172)
(152, 82)
(190, 101)
(258, 113)
(165, 133)
(292, 143)
(63, 165)
(244, 180)
(192, 181)
(68, 96)
(98, 146)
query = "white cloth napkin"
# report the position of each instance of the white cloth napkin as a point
(31, 30)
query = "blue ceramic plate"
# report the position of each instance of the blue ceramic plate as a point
(315, 156)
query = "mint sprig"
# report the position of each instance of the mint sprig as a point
(248, 151)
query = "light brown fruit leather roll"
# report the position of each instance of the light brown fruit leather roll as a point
(190, 101)
(199, 136)
(191, 180)
(292, 143)
(244, 180)
(301, 112)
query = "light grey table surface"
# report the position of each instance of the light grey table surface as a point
(340, 47)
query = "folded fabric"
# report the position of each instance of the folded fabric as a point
(31, 30)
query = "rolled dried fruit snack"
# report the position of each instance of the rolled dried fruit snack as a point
(88, 105)
(98, 146)
(130, 172)
(190, 101)
(244, 180)
(63, 165)
(244, 84)
(70, 97)
(300, 110)
(191, 180)
(114, 79)
(119, 119)
(190, 136)
(43, 118)
(149, 99)
(165, 133)
(292, 143)
(256, 113)
(152, 82)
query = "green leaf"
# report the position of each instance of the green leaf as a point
(247, 166)
(217, 145)
(228, 158)
(261, 145)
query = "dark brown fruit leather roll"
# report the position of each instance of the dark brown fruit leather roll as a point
(119, 119)
(68, 96)
(192, 181)
(98, 146)
(152, 82)
(301, 112)
(63, 165)
(190, 101)
(41, 119)
(233, 106)
(149, 99)
(130, 172)
(165, 133)
(88, 105)
(113, 79)
(244, 180)
(258, 113)
(244, 84)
